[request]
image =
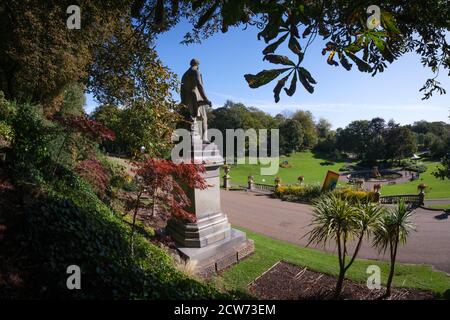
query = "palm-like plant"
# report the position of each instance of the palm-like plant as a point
(393, 229)
(335, 218)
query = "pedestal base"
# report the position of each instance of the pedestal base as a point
(222, 254)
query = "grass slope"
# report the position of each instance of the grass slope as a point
(268, 251)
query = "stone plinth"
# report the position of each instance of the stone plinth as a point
(210, 242)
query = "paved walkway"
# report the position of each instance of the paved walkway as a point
(289, 221)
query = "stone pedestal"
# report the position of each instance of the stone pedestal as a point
(210, 242)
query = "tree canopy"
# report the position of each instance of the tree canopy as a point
(404, 26)
(113, 54)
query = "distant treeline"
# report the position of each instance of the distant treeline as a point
(367, 140)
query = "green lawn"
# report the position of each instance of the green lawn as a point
(268, 251)
(314, 168)
(440, 206)
(437, 188)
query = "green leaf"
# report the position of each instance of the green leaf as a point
(294, 45)
(305, 82)
(362, 65)
(197, 4)
(307, 75)
(278, 87)
(278, 59)
(233, 12)
(207, 15)
(389, 23)
(272, 47)
(263, 77)
(175, 7)
(159, 12)
(379, 43)
(344, 62)
(273, 25)
(290, 92)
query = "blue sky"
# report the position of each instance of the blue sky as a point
(340, 96)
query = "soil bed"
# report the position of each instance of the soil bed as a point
(285, 281)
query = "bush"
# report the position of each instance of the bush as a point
(346, 168)
(95, 174)
(32, 144)
(354, 195)
(420, 168)
(69, 225)
(297, 193)
(6, 134)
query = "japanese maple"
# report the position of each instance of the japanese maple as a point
(164, 182)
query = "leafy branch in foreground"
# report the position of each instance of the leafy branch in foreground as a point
(342, 23)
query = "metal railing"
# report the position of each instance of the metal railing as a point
(264, 187)
(415, 199)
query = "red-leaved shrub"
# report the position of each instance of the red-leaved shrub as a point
(93, 172)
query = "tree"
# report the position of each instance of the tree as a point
(400, 143)
(355, 138)
(163, 181)
(393, 229)
(376, 143)
(323, 128)
(238, 116)
(112, 57)
(110, 116)
(443, 172)
(343, 24)
(74, 100)
(110, 54)
(74, 127)
(335, 218)
(291, 136)
(306, 120)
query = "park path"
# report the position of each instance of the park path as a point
(289, 221)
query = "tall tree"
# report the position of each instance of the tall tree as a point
(355, 138)
(306, 120)
(291, 136)
(400, 143)
(323, 127)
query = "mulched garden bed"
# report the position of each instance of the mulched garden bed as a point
(285, 281)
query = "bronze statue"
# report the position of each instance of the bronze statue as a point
(194, 97)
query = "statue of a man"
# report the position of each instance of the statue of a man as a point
(194, 97)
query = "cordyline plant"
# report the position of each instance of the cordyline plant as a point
(337, 219)
(393, 229)
(163, 182)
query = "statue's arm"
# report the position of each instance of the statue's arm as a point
(199, 81)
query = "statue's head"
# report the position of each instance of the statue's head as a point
(194, 62)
